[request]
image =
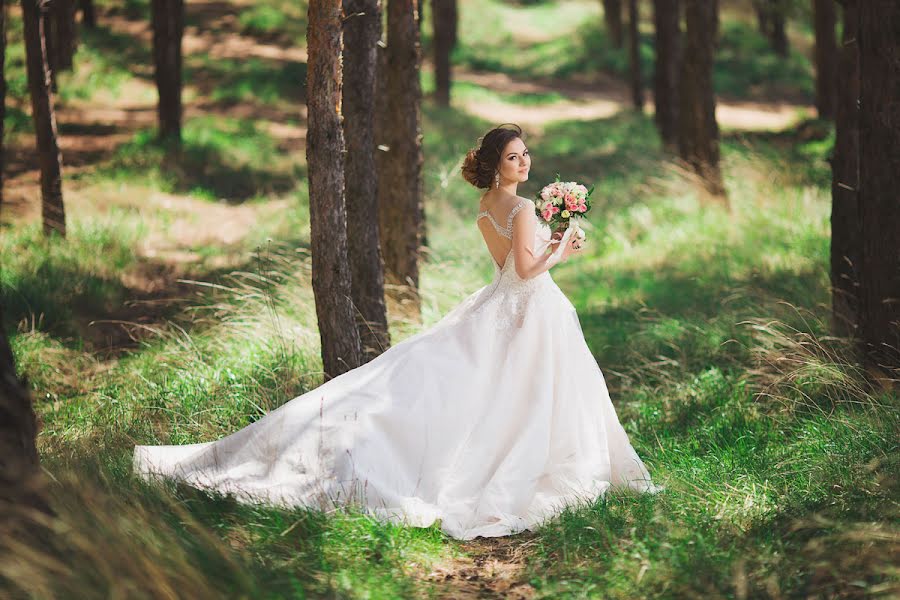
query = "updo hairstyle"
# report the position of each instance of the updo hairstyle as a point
(481, 163)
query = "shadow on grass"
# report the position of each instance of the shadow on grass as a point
(221, 159)
(97, 294)
(688, 319)
(251, 79)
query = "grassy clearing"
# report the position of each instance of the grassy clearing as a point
(711, 329)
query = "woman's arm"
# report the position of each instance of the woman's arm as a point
(529, 265)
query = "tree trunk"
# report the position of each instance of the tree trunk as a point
(824, 17)
(879, 177)
(634, 56)
(2, 96)
(331, 279)
(362, 31)
(49, 157)
(612, 16)
(778, 35)
(665, 78)
(64, 32)
(168, 30)
(88, 16)
(444, 22)
(845, 229)
(401, 210)
(20, 481)
(698, 132)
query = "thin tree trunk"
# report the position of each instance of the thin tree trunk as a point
(362, 31)
(845, 228)
(401, 208)
(88, 16)
(665, 78)
(879, 177)
(20, 480)
(49, 157)
(634, 56)
(824, 18)
(331, 279)
(698, 135)
(64, 32)
(2, 95)
(612, 16)
(168, 30)
(778, 34)
(444, 22)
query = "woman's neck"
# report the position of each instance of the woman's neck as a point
(510, 188)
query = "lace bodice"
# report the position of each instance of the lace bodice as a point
(504, 231)
(509, 290)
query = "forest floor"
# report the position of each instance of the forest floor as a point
(144, 331)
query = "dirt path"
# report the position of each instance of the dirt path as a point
(601, 96)
(493, 568)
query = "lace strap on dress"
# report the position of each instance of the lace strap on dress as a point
(504, 231)
(522, 204)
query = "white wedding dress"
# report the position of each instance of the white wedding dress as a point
(492, 421)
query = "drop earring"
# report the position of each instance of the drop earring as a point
(497, 180)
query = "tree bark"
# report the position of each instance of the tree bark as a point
(362, 31)
(845, 228)
(20, 480)
(88, 15)
(63, 34)
(612, 16)
(665, 77)
(49, 157)
(824, 18)
(698, 131)
(634, 56)
(879, 178)
(401, 207)
(778, 35)
(2, 96)
(168, 30)
(331, 279)
(444, 23)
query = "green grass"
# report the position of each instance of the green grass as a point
(710, 327)
(745, 65)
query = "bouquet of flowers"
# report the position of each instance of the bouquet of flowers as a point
(562, 201)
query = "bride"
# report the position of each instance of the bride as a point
(490, 422)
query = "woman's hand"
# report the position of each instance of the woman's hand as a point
(574, 246)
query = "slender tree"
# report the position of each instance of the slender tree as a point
(845, 228)
(612, 16)
(88, 15)
(2, 94)
(665, 77)
(444, 19)
(824, 18)
(401, 207)
(879, 180)
(771, 16)
(698, 131)
(331, 279)
(634, 55)
(362, 31)
(168, 30)
(64, 36)
(49, 157)
(20, 481)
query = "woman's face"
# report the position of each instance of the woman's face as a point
(515, 162)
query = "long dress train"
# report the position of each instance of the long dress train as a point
(492, 421)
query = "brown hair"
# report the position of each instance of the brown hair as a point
(480, 163)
